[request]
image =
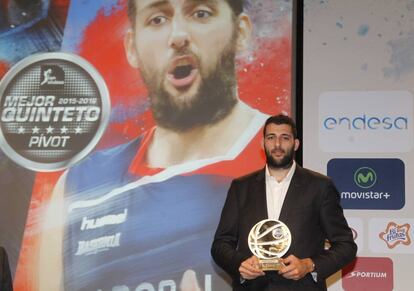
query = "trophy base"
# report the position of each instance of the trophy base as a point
(271, 264)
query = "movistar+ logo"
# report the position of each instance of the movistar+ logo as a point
(365, 177)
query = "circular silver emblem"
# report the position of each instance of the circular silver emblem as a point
(54, 108)
(269, 239)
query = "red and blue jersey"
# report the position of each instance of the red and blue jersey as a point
(129, 225)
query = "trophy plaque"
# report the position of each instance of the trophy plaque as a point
(269, 240)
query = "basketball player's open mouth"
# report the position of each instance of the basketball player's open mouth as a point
(183, 72)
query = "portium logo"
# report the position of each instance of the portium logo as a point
(365, 177)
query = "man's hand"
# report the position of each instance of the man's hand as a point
(296, 268)
(249, 269)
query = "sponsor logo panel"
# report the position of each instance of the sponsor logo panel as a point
(368, 274)
(369, 183)
(366, 121)
(391, 235)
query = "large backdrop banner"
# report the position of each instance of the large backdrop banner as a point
(358, 129)
(122, 125)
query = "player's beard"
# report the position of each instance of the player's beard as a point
(284, 163)
(214, 100)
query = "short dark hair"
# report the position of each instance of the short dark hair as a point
(281, 119)
(235, 5)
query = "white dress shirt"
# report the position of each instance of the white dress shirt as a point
(276, 192)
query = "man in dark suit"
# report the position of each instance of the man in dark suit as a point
(306, 201)
(6, 283)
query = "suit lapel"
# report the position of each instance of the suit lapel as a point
(260, 205)
(293, 195)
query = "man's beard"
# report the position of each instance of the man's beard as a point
(213, 101)
(284, 163)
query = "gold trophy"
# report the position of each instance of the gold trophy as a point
(269, 240)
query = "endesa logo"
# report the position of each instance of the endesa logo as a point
(368, 274)
(369, 183)
(366, 121)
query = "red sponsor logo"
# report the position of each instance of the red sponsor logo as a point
(396, 234)
(368, 274)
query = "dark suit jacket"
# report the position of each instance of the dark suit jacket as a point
(6, 283)
(312, 212)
